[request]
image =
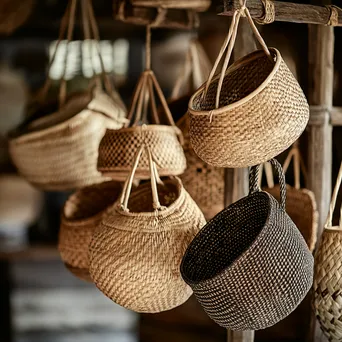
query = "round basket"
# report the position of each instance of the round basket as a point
(196, 5)
(249, 267)
(250, 112)
(81, 214)
(118, 147)
(135, 253)
(14, 13)
(328, 274)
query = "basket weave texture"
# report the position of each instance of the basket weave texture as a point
(135, 254)
(328, 275)
(249, 267)
(81, 214)
(197, 5)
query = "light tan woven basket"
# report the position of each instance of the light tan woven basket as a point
(328, 274)
(251, 111)
(82, 213)
(118, 147)
(14, 13)
(136, 252)
(59, 151)
(300, 203)
(197, 5)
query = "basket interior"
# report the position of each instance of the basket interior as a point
(239, 82)
(91, 200)
(141, 199)
(225, 238)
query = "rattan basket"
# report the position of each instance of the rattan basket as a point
(197, 5)
(14, 13)
(251, 111)
(300, 202)
(249, 267)
(136, 252)
(328, 274)
(82, 213)
(64, 143)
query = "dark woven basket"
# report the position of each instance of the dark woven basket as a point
(249, 267)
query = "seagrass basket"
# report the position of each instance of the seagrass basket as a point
(14, 13)
(251, 111)
(197, 5)
(136, 252)
(249, 267)
(328, 274)
(82, 213)
(300, 202)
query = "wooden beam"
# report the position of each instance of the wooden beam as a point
(285, 11)
(240, 336)
(336, 116)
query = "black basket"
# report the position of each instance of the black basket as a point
(250, 267)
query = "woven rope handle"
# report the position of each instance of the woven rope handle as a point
(254, 180)
(229, 45)
(267, 167)
(328, 223)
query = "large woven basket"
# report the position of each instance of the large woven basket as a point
(250, 112)
(13, 13)
(249, 267)
(197, 5)
(82, 213)
(136, 252)
(328, 274)
(118, 147)
(300, 202)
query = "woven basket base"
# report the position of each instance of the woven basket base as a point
(80, 273)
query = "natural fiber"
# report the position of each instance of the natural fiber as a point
(136, 252)
(249, 267)
(300, 203)
(81, 214)
(249, 113)
(14, 13)
(118, 147)
(197, 5)
(328, 274)
(65, 142)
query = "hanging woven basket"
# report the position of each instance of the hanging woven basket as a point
(251, 111)
(328, 274)
(136, 252)
(196, 5)
(249, 267)
(64, 143)
(82, 213)
(300, 203)
(14, 13)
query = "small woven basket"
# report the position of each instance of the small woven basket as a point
(300, 203)
(196, 5)
(81, 214)
(249, 267)
(135, 254)
(251, 111)
(14, 13)
(328, 274)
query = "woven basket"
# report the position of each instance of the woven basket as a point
(196, 5)
(81, 214)
(135, 254)
(249, 267)
(328, 274)
(249, 113)
(118, 147)
(14, 13)
(300, 203)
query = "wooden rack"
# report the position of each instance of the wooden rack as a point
(323, 116)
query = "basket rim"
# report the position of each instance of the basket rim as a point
(333, 229)
(242, 256)
(149, 127)
(236, 65)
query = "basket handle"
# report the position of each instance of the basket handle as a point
(154, 180)
(228, 45)
(328, 223)
(254, 180)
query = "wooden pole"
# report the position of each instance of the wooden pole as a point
(285, 11)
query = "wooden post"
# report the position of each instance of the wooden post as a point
(237, 179)
(321, 58)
